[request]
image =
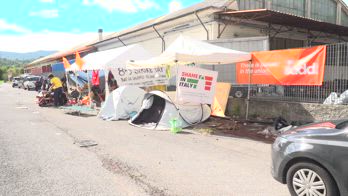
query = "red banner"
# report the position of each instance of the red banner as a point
(303, 66)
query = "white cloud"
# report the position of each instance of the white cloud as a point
(5, 26)
(86, 2)
(45, 13)
(44, 41)
(175, 5)
(47, 1)
(146, 4)
(129, 6)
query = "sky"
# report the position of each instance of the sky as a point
(32, 25)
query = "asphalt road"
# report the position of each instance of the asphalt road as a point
(40, 155)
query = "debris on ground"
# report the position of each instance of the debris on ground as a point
(22, 107)
(336, 99)
(266, 130)
(286, 128)
(280, 123)
(269, 132)
(260, 131)
(86, 143)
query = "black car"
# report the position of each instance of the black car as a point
(313, 159)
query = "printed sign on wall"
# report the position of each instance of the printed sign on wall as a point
(302, 66)
(196, 85)
(141, 77)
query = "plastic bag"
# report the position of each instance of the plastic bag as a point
(331, 99)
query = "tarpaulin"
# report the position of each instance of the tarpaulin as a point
(304, 66)
(186, 50)
(59, 67)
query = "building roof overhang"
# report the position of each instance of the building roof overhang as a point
(280, 18)
(60, 55)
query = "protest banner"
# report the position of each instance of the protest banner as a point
(302, 66)
(141, 77)
(196, 85)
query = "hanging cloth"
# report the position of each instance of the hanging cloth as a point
(95, 77)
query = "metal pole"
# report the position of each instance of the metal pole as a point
(89, 90)
(119, 39)
(249, 86)
(77, 86)
(200, 21)
(161, 37)
(67, 82)
(106, 75)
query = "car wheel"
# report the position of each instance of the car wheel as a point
(310, 180)
(238, 94)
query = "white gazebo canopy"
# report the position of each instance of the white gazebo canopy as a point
(185, 50)
(112, 59)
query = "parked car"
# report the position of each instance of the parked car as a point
(313, 159)
(15, 81)
(241, 91)
(21, 81)
(30, 82)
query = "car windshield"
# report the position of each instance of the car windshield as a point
(34, 79)
(342, 125)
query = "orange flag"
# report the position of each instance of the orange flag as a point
(66, 63)
(79, 61)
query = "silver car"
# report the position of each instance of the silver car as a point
(30, 82)
(313, 159)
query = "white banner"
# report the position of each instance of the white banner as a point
(141, 77)
(196, 85)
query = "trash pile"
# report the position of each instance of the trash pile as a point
(235, 128)
(280, 126)
(260, 131)
(336, 99)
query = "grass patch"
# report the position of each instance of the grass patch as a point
(1, 82)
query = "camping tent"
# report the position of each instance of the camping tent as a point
(113, 58)
(158, 110)
(110, 60)
(122, 103)
(185, 50)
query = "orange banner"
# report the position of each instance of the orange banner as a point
(303, 66)
(79, 61)
(66, 63)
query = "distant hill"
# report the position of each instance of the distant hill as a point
(24, 56)
(13, 63)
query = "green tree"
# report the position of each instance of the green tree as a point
(11, 67)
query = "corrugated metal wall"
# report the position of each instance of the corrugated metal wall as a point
(282, 43)
(324, 10)
(344, 19)
(251, 4)
(296, 7)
